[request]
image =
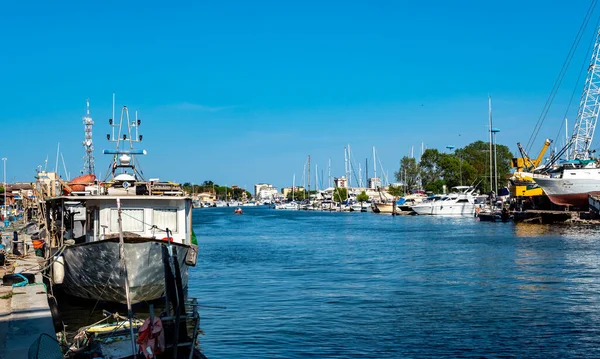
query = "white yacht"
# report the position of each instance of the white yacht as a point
(459, 203)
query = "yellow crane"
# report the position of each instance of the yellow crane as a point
(522, 184)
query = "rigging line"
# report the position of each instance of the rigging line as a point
(584, 65)
(560, 76)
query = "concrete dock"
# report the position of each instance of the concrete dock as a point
(24, 311)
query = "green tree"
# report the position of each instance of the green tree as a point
(340, 194)
(436, 186)
(430, 166)
(362, 197)
(477, 154)
(396, 191)
(408, 173)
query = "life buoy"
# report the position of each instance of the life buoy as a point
(168, 239)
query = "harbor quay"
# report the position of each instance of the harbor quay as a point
(26, 322)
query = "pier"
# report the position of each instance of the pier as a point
(25, 314)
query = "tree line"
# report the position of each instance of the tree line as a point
(221, 192)
(464, 166)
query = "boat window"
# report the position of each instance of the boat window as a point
(165, 218)
(133, 220)
(462, 200)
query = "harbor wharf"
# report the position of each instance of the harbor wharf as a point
(25, 314)
(540, 216)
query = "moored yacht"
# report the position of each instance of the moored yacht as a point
(460, 203)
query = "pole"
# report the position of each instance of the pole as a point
(495, 167)
(490, 118)
(4, 160)
(308, 178)
(124, 263)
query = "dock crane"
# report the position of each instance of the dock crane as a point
(522, 184)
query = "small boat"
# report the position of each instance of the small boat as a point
(237, 211)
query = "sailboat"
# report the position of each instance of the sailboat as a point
(86, 227)
(572, 180)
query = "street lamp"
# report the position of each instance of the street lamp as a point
(4, 160)
(494, 132)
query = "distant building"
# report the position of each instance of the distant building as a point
(264, 192)
(340, 182)
(286, 190)
(374, 182)
(48, 182)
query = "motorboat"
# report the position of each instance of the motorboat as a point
(459, 203)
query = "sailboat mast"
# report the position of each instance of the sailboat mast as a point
(346, 163)
(316, 177)
(490, 119)
(374, 165)
(329, 174)
(309, 178)
(350, 169)
(366, 172)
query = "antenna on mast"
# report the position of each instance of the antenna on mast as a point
(88, 123)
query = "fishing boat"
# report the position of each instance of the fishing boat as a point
(85, 227)
(459, 203)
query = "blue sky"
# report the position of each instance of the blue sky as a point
(242, 92)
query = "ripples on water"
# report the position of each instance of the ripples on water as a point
(359, 285)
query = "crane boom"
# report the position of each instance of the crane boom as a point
(589, 107)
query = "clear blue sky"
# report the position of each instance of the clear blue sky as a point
(242, 92)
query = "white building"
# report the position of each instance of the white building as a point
(264, 192)
(340, 182)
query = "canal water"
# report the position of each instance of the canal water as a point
(299, 284)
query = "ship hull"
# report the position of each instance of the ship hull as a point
(569, 192)
(93, 270)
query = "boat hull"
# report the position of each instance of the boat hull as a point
(94, 271)
(385, 208)
(439, 209)
(569, 192)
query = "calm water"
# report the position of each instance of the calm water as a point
(359, 285)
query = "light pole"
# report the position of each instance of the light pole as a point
(494, 132)
(4, 160)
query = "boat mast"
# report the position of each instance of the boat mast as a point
(491, 159)
(88, 122)
(346, 164)
(309, 178)
(329, 174)
(374, 166)
(587, 117)
(126, 275)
